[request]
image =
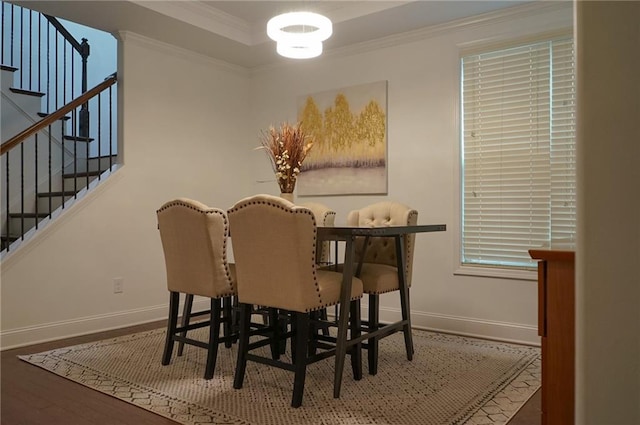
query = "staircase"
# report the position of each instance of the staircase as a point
(58, 138)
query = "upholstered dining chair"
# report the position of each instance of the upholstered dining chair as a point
(194, 241)
(379, 271)
(274, 246)
(324, 216)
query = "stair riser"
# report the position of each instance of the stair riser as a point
(15, 226)
(80, 183)
(56, 202)
(94, 164)
(6, 79)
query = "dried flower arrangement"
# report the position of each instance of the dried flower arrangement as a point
(287, 147)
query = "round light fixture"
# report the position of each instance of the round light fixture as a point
(299, 50)
(299, 35)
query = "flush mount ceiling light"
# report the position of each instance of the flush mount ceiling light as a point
(299, 35)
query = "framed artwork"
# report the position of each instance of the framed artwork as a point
(348, 127)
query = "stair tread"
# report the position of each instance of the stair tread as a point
(44, 114)
(48, 194)
(82, 174)
(115, 155)
(27, 92)
(29, 215)
(78, 138)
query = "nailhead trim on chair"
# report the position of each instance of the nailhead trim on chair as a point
(296, 210)
(188, 203)
(412, 213)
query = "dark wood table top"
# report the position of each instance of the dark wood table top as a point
(340, 232)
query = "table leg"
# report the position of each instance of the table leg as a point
(404, 296)
(343, 321)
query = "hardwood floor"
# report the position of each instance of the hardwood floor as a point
(32, 396)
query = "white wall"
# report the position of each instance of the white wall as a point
(423, 133)
(184, 133)
(607, 273)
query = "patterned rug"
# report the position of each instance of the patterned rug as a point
(451, 380)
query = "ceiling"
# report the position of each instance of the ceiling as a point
(235, 31)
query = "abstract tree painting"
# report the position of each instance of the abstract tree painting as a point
(348, 128)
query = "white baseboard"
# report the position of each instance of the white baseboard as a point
(500, 331)
(466, 326)
(21, 337)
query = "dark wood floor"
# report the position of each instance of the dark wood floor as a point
(32, 396)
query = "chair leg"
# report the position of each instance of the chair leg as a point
(172, 323)
(314, 328)
(324, 316)
(356, 349)
(283, 323)
(374, 323)
(227, 316)
(214, 337)
(300, 338)
(276, 329)
(186, 317)
(243, 344)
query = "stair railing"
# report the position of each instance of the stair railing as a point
(15, 150)
(46, 58)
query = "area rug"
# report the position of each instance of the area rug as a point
(451, 380)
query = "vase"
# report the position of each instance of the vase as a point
(287, 195)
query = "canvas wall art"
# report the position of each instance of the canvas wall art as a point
(348, 127)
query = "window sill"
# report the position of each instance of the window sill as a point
(497, 272)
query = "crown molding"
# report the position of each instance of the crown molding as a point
(489, 18)
(132, 37)
(203, 16)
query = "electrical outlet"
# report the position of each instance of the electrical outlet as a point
(118, 285)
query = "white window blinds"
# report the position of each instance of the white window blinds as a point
(518, 152)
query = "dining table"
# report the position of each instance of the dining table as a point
(349, 235)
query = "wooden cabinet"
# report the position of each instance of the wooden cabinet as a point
(556, 326)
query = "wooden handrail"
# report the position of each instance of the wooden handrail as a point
(54, 116)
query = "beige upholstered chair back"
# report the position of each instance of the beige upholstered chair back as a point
(383, 250)
(194, 240)
(325, 217)
(274, 247)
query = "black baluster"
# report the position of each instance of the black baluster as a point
(35, 173)
(22, 190)
(40, 53)
(2, 37)
(8, 241)
(55, 33)
(48, 69)
(74, 134)
(62, 166)
(30, 48)
(21, 48)
(50, 177)
(12, 38)
(110, 127)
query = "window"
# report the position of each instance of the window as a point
(518, 153)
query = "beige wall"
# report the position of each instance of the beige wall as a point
(608, 256)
